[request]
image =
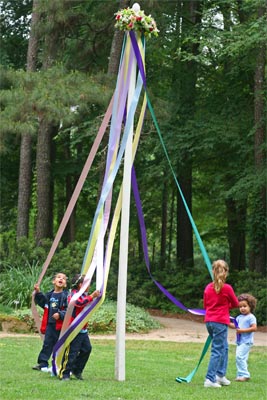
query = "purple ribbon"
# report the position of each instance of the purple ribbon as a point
(175, 301)
(145, 250)
(71, 328)
(138, 57)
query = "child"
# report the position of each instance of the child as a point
(219, 298)
(247, 325)
(78, 352)
(54, 304)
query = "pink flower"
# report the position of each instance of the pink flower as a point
(118, 17)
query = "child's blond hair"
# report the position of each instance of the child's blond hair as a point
(220, 271)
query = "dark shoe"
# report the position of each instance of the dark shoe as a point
(65, 378)
(78, 376)
(37, 367)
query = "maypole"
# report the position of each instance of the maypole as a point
(124, 239)
(124, 231)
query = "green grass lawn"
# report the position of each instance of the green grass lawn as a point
(151, 369)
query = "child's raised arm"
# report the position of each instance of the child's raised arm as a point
(37, 288)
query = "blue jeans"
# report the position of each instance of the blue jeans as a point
(219, 350)
(242, 353)
(50, 339)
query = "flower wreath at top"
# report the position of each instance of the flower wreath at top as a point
(128, 19)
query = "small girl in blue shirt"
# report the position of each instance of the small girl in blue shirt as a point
(247, 325)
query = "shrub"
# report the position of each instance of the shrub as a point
(102, 321)
(255, 284)
(137, 319)
(17, 253)
(17, 283)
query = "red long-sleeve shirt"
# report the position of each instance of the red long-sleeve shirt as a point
(218, 305)
(80, 303)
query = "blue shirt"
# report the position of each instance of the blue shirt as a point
(244, 322)
(54, 305)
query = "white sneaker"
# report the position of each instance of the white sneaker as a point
(222, 380)
(44, 369)
(208, 383)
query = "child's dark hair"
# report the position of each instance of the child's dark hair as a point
(251, 300)
(76, 280)
(59, 273)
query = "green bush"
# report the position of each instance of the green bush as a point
(17, 284)
(255, 284)
(69, 259)
(22, 263)
(137, 319)
(104, 319)
(18, 253)
(6, 309)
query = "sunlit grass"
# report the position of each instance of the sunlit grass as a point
(151, 369)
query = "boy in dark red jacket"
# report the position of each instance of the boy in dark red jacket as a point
(78, 352)
(55, 305)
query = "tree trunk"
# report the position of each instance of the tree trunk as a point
(184, 227)
(115, 52)
(188, 77)
(24, 190)
(258, 257)
(171, 218)
(69, 234)
(44, 222)
(236, 220)
(164, 222)
(43, 172)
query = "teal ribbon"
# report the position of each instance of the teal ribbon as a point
(200, 242)
(189, 377)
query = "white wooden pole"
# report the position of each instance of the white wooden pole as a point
(124, 238)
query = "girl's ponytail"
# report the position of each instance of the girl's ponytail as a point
(220, 271)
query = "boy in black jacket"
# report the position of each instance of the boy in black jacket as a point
(54, 304)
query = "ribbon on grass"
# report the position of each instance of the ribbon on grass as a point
(189, 377)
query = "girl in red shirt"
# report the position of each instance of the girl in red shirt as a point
(219, 298)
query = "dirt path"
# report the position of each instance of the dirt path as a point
(182, 330)
(173, 330)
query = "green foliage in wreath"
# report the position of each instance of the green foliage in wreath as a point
(129, 19)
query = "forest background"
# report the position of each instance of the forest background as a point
(206, 77)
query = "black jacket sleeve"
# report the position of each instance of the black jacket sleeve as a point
(41, 299)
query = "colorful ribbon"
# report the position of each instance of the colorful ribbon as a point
(94, 254)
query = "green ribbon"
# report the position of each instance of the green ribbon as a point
(189, 377)
(201, 245)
